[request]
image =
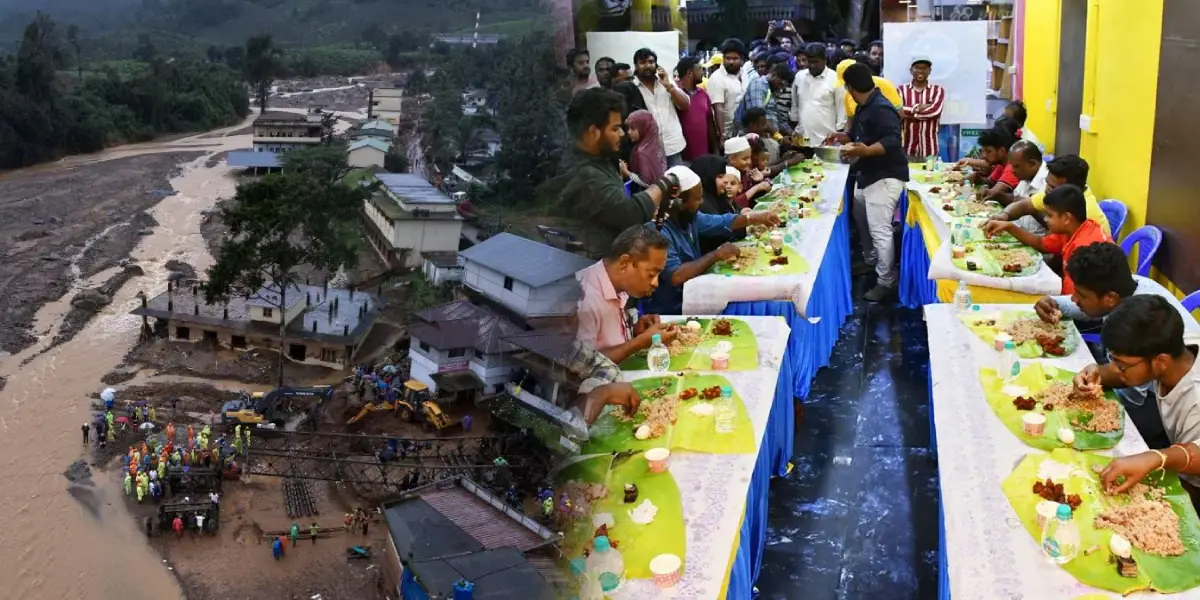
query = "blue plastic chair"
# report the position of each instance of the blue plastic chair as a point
(629, 188)
(1192, 301)
(1115, 211)
(1147, 238)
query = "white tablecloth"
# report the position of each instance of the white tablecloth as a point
(710, 294)
(714, 486)
(1043, 282)
(989, 554)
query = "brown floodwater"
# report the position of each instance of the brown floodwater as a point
(53, 547)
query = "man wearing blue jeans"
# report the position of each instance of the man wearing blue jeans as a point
(874, 141)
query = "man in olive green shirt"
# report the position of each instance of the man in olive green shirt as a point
(588, 191)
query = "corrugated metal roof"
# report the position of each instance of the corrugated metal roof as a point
(412, 188)
(460, 324)
(379, 124)
(372, 142)
(532, 263)
(250, 158)
(480, 520)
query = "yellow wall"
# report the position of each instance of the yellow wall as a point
(1039, 76)
(1120, 90)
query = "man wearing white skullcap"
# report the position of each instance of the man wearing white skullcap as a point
(735, 145)
(683, 228)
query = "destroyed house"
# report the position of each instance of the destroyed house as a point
(323, 326)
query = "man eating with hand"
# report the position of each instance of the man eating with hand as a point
(1102, 283)
(630, 269)
(683, 227)
(1146, 346)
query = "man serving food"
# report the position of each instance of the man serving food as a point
(683, 227)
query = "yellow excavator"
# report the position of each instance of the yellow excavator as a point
(415, 405)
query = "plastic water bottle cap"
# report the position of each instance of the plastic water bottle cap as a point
(975, 307)
(1064, 511)
(601, 544)
(656, 338)
(578, 566)
(726, 391)
(609, 582)
(1009, 345)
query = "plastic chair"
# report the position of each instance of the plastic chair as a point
(1192, 301)
(1148, 238)
(1115, 211)
(629, 188)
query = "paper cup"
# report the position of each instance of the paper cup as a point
(657, 459)
(666, 569)
(720, 361)
(1035, 423)
(999, 340)
(958, 251)
(1046, 510)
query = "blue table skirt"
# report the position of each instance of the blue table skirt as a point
(916, 289)
(772, 461)
(809, 348)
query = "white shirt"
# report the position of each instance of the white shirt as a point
(1026, 189)
(1180, 410)
(199, 521)
(662, 106)
(818, 104)
(727, 90)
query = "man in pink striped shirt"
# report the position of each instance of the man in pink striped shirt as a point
(922, 112)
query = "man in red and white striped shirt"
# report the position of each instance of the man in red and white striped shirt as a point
(922, 112)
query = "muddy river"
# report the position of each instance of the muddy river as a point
(53, 547)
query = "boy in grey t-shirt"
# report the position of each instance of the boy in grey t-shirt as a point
(1145, 342)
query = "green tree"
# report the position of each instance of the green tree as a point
(73, 39)
(263, 64)
(145, 50)
(396, 160)
(279, 224)
(532, 118)
(38, 59)
(214, 54)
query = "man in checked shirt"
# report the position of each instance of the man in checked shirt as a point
(922, 111)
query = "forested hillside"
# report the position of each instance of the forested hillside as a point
(291, 22)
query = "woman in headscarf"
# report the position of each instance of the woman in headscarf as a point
(647, 162)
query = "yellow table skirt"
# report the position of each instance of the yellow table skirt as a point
(917, 215)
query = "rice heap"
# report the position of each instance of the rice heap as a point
(1028, 330)
(659, 409)
(685, 341)
(1105, 414)
(583, 494)
(1147, 521)
(1013, 256)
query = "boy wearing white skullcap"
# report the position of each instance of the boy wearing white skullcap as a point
(683, 228)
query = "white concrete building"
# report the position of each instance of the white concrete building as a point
(284, 131)
(409, 216)
(459, 349)
(367, 152)
(440, 268)
(386, 104)
(532, 279)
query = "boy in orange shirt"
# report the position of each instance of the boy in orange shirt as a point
(1070, 229)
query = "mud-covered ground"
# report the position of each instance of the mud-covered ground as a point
(47, 216)
(347, 100)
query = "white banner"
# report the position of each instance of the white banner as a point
(958, 50)
(620, 46)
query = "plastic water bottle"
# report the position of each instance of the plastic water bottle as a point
(795, 229)
(587, 585)
(786, 177)
(726, 413)
(962, 298)
(1060, 537)
(658, 359)
(1010, 364)
(606, 565)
